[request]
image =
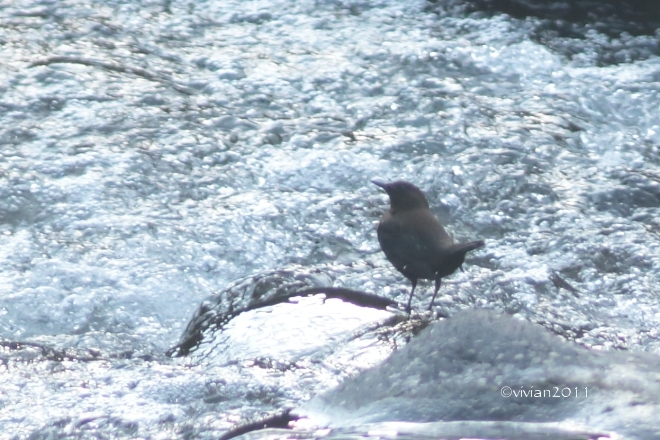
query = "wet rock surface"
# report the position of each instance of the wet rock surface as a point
(612, 27)
(480, 366)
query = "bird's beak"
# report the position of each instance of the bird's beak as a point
(381, 184)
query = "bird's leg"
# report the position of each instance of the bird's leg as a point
(437, 287)
(414, 284)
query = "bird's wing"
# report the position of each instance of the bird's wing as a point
(406, 250)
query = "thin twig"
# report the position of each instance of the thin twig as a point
(115, 67)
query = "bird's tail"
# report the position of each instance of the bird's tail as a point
(464, 248)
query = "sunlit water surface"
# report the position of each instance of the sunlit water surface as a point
(125, 199)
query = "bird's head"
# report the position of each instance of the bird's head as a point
(403, 195)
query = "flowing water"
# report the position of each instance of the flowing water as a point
(154, 152)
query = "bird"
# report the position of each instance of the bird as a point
(414, 241)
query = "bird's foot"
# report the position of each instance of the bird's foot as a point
(439, 313)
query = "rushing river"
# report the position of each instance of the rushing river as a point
(153, 153)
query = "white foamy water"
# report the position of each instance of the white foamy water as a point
(247, 142)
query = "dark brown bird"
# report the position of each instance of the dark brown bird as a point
(414, 240)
